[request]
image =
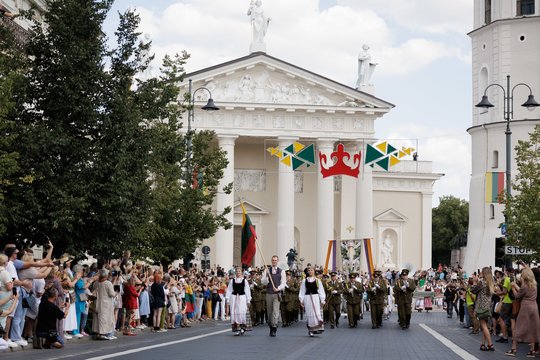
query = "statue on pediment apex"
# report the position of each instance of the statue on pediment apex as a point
(365, 68)
(259, 26)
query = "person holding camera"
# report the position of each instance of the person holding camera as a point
(48, 315)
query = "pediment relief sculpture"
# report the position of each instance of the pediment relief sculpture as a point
(261, 87)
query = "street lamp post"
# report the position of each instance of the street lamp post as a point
(210, 107)
(508, 114)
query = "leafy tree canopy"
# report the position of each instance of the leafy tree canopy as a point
(522, 209)
(102, 144)
(449, 223)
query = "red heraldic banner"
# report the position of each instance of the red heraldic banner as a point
(248, 239)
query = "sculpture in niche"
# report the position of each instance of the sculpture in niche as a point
(387, 249)
(352, 262)
(365, 67)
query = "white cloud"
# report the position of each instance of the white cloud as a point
(414, 55)
(326, 42)
(450, 154)
(434, 16)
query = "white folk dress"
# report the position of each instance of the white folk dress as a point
(238, 296)
(312, 296)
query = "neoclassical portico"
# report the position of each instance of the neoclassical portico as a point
(266, 102)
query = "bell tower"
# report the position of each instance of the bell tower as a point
(505, 42)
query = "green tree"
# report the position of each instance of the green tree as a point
(104, 147)
(449, 224)
(11, 69)
(522, 208)
(181, 214)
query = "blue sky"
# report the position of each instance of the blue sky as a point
(421, 47)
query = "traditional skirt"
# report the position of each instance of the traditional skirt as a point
(314, 318)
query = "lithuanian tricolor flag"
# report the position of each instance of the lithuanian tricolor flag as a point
(248, 238)
(494, 186)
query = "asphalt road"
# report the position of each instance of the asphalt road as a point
(431, 336)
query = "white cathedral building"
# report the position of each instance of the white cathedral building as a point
(505, 42)
(266, 102)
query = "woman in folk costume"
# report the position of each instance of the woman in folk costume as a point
(312, 296)
(238, 296)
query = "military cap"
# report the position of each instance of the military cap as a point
(318, 272)
(333, 273)
(352, 275)
(405, 272)
(288, 272)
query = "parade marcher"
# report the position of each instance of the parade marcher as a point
(334, 290)
(377, 293)
(352, 292)
(274, 279)
(238, 296)
(258, 295)
(403, 291)
(312, 296)
(290, 297)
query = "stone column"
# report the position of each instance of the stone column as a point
(225, 238)
(325, 203)
(426, 229)
(364, 208)
(285, 215)
(348, 202)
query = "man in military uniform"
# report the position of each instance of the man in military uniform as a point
(403, 292)
(290, 294)
(324, 280)
(353, 291)
(377, 291)
(258, 295)
(335, 289)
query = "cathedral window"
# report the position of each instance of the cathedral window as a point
(487, 11)
(525, 7)
(495, 159)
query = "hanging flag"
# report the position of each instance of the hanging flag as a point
(248, 238)
(494, 186)
(369, 257)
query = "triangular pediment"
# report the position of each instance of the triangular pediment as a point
(391, 215)
(251, 208)
(260, 79)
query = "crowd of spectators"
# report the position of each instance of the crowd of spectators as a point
(50, 300)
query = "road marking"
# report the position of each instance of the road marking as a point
(449, 344)
(144, 348)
